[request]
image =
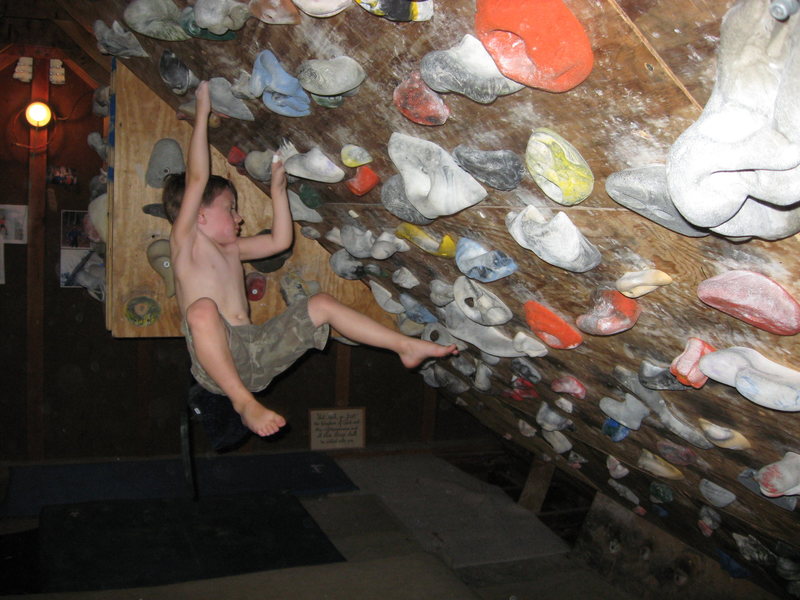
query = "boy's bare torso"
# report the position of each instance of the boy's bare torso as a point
(206, 269)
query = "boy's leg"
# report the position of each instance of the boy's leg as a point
(323, 308)
(210, 341)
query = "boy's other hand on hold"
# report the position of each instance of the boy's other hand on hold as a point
(278, 172)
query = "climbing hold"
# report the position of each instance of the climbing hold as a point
(384, 299)
(441, 292)
(274, 12)
(446, 247)
(314, 165)
(405, 278)
(258, 164)
(364, 180)
(155, 18)
(541, 44)
(716, 494)
(550, 420)
(757, 378)
(781, 478)
(638, 283)
(399, 10)
(358, 242)
(500, 169)
(644, 191)
(685, 366)
(611, 313)
(526, 429)
(680, 455)
(615, 430)
(754, 298)
(300, 212)
(615, 468)
(415, 310)
(624, 491)
(221, 16)
(355, 156)
(279, 91)
(657, 376)
(117, 41)
(529, 345)
(557, 241)
(551, 328)
(477, 262)
(558, 441)
(166, 159)
(330, 77)
(434, 184)
(386, 244)
(224, 102)
(158, 255)
(489, 339)
(658, 466)
(255, 284)
(419, 103)
(723, 436)
(525, 368)
(393, 198)
(480, 304)
(467, 69)
(175, 74)
(569, 384)
(322, 8)
(558, 168)
(346, 266)
(628, 413)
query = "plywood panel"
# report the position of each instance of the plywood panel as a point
(141, 120)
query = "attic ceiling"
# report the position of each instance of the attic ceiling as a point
(654, 69)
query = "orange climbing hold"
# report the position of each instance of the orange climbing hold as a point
(364, 181)
(550, 328)
(538, 43)
(611, 313)
(686, 367)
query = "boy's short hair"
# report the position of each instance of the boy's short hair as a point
(175, 185)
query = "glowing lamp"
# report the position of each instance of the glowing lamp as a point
(38, 114)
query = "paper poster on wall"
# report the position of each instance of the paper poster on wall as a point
(14, 223)
(333, 428)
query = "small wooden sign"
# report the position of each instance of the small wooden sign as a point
(332, 428)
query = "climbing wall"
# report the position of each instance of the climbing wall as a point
(653, 71)
(138, 304)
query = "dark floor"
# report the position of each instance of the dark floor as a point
(454, 532)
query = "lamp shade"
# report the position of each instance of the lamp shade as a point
(38, 114)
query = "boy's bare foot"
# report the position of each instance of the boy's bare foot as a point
(416, 351)
(260, 420)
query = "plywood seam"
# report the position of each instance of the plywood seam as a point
(650, 48)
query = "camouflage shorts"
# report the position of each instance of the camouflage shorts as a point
(261, 352)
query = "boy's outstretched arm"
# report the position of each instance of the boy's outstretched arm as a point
(282, 234)
(198, 166)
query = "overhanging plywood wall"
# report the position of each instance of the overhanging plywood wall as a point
(142, 119)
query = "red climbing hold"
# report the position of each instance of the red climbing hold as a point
(550, 328)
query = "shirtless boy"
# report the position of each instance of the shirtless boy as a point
(230, 355)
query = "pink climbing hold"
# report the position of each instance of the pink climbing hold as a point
(686, 367)
(611, 313)
(569, 384)
(419, 103)
(521, 390)
(540, 44)
(755, 299)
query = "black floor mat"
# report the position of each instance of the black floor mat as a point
(134, 543)
(303, 473)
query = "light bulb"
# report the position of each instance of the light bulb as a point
(38, 114)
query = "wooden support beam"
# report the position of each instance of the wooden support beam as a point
(536, 485)
(37, 183)
(343, 360)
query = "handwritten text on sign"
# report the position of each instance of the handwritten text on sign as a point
(336, 428)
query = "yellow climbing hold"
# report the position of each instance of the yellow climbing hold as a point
(446, 248)
(558, 168)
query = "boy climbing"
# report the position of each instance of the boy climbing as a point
(230, 355)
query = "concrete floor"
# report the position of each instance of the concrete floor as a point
(417, 529)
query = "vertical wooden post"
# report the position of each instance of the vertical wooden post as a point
(37, 183)
(343, 360)
(537, 485)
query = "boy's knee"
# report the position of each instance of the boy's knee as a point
(201, 311)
